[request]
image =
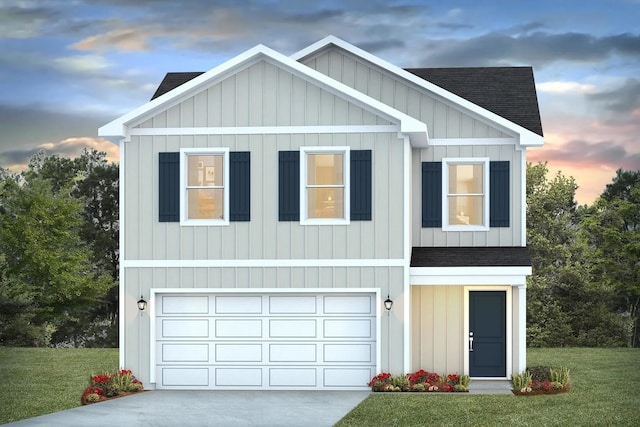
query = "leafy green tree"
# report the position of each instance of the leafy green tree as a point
(45, 266)
(94, 183)
(612, 228)
(566, 306)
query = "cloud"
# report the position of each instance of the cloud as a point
(71, 147)
(563, 87)
(125, 39)
(20, 22)
(621, 99)
(538, 49)
(587, 154)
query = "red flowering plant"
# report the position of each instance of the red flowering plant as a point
(420, 381)
(104, 386)
(541, 380)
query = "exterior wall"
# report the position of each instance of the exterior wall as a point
(139, 281)
(501, 236)
(264, 237)
(437, 328)
(262, 95)
(443, 119)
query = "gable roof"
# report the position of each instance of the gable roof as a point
(527, 137)
(509, 92)
(516, 256)
(414, 129)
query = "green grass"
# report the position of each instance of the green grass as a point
(38, 381)
(606, 391)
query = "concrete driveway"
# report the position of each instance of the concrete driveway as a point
(187, 408)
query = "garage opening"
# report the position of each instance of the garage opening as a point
(283, 341)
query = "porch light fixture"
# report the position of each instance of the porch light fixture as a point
(142, 304)
(388, 303)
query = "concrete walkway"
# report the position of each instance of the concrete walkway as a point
(187, 408)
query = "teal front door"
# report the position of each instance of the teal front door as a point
(487, 334)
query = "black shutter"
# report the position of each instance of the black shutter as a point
(360, 185)
(499, 203)
(169, 187)
(431, 194)
(289, 186)
(240, 186)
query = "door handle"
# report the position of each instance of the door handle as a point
(470, 341)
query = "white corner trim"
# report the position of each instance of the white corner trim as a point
(261, 263)
(406, 288)
(526, 137)
(122, 255)
(523, 198)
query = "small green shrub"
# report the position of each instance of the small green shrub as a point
(560, 375)
(523, 381)
(540, 373)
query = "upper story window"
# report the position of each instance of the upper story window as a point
(205, 195)
(324, 197)
(465, 194)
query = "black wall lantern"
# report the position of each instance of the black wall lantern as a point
(142, 304)
(388, 303)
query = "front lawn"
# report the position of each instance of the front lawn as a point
(38, 381)
(606, 391)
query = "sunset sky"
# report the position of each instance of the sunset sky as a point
(70, 66)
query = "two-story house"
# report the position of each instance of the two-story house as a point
(306, 222)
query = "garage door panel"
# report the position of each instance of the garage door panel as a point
(292, 328)
(339, 304)
(238, 328)
(347, 377)
(293, 305)
(351, 353)
(348, 328)
(238, 305)
(242, 377)
(181, 353)
(238, 353)
(292, 377)
(184, 328)
(300, 353)
(184, 304)
(185, 376)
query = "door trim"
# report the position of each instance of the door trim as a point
(508, 323)
(155, 292)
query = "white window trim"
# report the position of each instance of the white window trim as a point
(304, 220)
(183, 186)
(445, 193)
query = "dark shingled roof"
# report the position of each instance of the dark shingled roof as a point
(509, 92)
(515, 256)
(173, 80)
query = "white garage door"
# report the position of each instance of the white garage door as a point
(265, 341)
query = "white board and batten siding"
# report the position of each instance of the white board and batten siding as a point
(265, 340)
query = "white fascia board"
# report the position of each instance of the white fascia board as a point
(429, 276)
(416, 129)
(527, 138)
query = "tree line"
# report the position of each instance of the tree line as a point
(59, 258)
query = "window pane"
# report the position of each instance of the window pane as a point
(325, 169)
(466, 210)
(205, 204)
(465, 179)
(325, 202)
(205, 170)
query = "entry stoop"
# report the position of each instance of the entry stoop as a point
(490, 387)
